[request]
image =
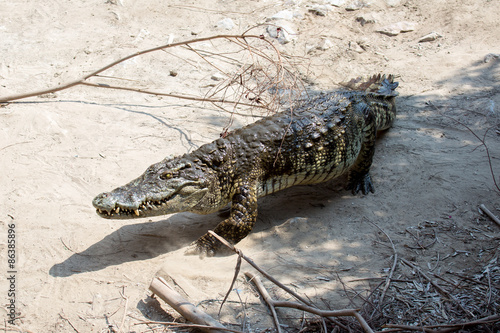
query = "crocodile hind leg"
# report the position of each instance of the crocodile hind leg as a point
(359, 175)
(239, 224)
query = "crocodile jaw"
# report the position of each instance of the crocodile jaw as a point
(122, 203)
(170, 186)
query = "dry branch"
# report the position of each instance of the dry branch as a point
(447, 327)
(393, 267)
(308, 307)
(483, 143)
(490, 214)
(267, 298)
(258, 82)
(161, 288)
(294, 305)
(437, 287)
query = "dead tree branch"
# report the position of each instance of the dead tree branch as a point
(490, 214)
(257, 82)
(161, 288)
(308, 307)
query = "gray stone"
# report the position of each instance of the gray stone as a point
(491, 56)
(393, 3)
(218, 77)
(226, 23)
(283, 15)
(367, 18)
(336, 3)
(429, 37)
(396, 28)
(325, 44)
(283, 31)
(319, 10)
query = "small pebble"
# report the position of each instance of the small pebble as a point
(336, 3)
(356, 5)
(173, 73)
(319, 10)
(282, 31)
(282, 15)
(325, 44)
(226, 23)
(396, 28)
(393, 3)
(217, 77)
(367, 18)
(491, 56)
(430, 37)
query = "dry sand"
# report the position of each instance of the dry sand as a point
(59, 150)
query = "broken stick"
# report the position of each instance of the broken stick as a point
(490, 214)
(161, 288)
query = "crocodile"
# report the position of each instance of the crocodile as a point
(320, 138)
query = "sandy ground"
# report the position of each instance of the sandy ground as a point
(74, 269)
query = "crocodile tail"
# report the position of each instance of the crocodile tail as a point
(383, 85)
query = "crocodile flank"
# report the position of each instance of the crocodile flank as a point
(320, 138)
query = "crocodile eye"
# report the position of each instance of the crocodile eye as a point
(165, 176)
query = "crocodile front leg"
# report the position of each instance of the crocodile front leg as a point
(235, 228)
(359, 175)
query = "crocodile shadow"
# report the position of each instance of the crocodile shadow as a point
(147, 240)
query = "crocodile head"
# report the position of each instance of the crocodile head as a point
(170, 186)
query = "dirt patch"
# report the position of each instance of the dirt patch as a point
(431, 174)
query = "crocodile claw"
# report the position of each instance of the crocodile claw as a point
(361, 183)
(201, 249)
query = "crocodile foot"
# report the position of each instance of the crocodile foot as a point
(205, 246)
(361, 183)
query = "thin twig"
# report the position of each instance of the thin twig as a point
(190, 98)
(393, 268)
(124, 312)
(483, 142)
(267, 298)
(236, 272)
(184, 325)
(438, 288)
(161, 288)
(308, 307)
(490, 214)
(69, 322)
(70, 84)
(261, 271)
(485, 320)
(316, 311)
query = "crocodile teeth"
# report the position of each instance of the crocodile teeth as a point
(100, 211)
(117, 210)
(136, 211)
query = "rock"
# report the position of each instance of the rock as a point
(226, 23)
(336, 3)
(364, 44)
(367, 18)
(393, 3)
(430, 37)
(319, 10)
(282, 15)
(491, 56)
(325, 44)
(173, 73)
(217, 77)
(354, 46)
(356, 5)
(396, 28)
(282, 31)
